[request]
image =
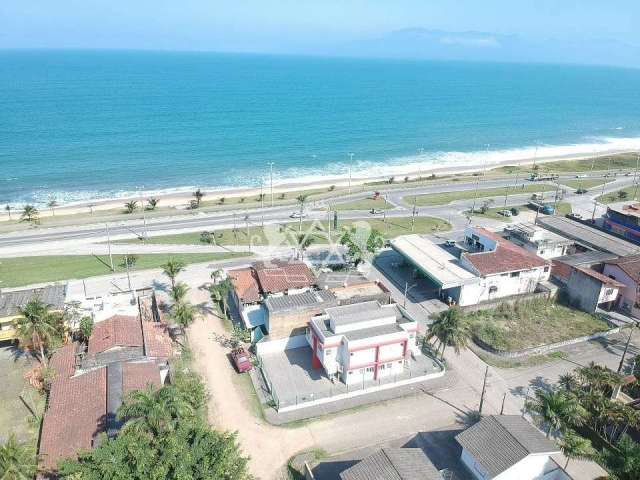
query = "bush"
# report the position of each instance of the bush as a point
(332, 188)
(515, 212)
(392, 179)
(406, 179)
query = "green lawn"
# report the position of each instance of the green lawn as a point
(448, 197)
(531, 323)
(363, 204)
(585, 182)
(615, 162)
(624, 194)
(286, 234)
(19, 271)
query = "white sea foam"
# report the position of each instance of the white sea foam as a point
(396, 166)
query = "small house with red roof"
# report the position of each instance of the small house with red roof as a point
(626, 270)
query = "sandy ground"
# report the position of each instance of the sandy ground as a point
(181, 199)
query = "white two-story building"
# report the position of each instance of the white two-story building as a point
(364, 341)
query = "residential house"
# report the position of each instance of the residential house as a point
(562, 267)
(360, 342)
(626, 270)
(539, 241)
(393, 464)
(278, 277)
(590, 290)
(11, 301)
(123, 354)
(508, 447)
(288, 315)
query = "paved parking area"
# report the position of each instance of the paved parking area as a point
(294, 381)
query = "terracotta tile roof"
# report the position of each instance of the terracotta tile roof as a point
(278, 276)
(599, 276)
(629, 265)
(76, 410)
(116, 331)
(139, 375)
(157, 342)
(507, 257)
(245, 283)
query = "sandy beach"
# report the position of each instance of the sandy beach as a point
(181, 200)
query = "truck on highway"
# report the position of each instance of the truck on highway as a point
(537, 177)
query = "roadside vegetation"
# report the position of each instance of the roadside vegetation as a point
(531, 323)
(624, 194)
(444, 198)
(585, 183)
(616, 162)
(363, 204)
(18, 271)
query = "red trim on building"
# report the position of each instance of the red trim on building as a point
(374, 345)
(315, 361)
(373, 364)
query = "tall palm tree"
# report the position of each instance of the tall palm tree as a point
(171, 269)
(37, 325)
(52, 204)
(451, 329)
(155, 411)
(7, 209)
(17, 460)
(184, 313)
(301, 199)
(303, 242)
(30, 214)
(131, 206)
(198, 194)
(179, 292)
(576, 446)
(152, 203)
(220, 293)
(559, 409)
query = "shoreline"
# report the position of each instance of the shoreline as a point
(180, 199)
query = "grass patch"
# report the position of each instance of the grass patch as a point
(585, 182)
(243, 383)
(285, 234)
(622, 195)
(444, 198)
(363, 204)
(563, 208)
(528, 361)
(620, 161)
(19, 271)
(531, 323)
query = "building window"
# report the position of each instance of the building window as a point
(370, 369)
(541, 252)
(351, 354)
(608, 291)
(546, 269)
(514, 274)
(361, 371)
(350, 372)
(382, 367)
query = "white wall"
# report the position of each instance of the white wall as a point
(628, 295)
(532, 467)
(281, 345)
(506, 285)
(476, 470)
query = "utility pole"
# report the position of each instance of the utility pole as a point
(350, 163)
(406, 291)
(109, 246)
(144, 217)
(635, 176)
(413, 214)
(261, 194)
(626, 347)
(484, 389)
(271, 178)
(555, 202)
(504, 397)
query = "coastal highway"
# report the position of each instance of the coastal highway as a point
(269, 215)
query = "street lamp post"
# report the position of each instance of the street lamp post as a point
(271, 179)
(350, 162)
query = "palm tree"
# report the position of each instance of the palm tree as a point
(155, 411)
(37, 325)
(220, 293)
(171, 269)
(198, 194)
(17, 460)
(184, 313)
(451, 329)
(131, 206)
(575, 446)
(179, 292)
(52, 205)
(7, 209)
(301, 199)
(303, 242)
(152, 203)
(569, 382)
(29, 214)
(559, 409)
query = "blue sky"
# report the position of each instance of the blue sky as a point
(297, 26)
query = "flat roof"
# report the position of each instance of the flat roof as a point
(358, 312)
(300, 301)
(432, 260)
(536, 234)
(586, 258)
(625, 208)
(589, 236)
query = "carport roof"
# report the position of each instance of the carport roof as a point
(432, 260)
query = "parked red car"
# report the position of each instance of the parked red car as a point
(241, 360)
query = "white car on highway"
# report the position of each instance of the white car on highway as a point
(298, 215)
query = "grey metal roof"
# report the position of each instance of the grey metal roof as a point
(498, 442)
(372, 332)
(300, 301)
(339, 279)
(53, 295)
(393, 464)
(586, 258)
(357, 312)
(589, 236)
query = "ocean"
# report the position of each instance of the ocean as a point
(77, 125)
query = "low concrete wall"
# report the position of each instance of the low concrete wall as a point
(275, 346)
(308, 473)
(542, 348)
(488, 305)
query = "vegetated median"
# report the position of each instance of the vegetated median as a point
(287, 234)
(444, 198)
(363, 204)
(629, 193)
(18, 271)
(526, 324)
(562, 208)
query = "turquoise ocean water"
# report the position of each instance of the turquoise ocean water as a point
(83, 124)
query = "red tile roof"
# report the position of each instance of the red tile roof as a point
(629, 265)
(139, 375)
(507, 257)
(116, 331)
(157, 342)
(600, 277)
(76, 410)
(245, 283)
(278, 276)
